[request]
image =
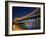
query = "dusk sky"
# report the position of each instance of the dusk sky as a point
(21, 11)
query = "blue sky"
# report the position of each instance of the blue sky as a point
(21, 11)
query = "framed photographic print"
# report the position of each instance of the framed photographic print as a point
(24, 18)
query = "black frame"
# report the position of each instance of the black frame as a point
(6, 18)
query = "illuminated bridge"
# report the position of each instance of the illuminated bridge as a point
(35, 13)
(29, 24)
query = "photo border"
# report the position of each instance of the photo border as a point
(6, 18)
